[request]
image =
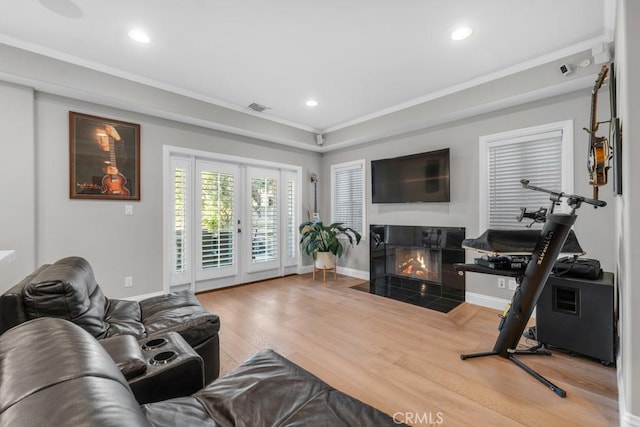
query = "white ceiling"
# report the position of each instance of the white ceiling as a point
(359, 59)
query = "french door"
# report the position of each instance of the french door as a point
(216, 215)
(228, 223)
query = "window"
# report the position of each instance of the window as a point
(180, 244)
(542, 154)
(265, 218)
(347, 195)
(291, 242)
(216, 216)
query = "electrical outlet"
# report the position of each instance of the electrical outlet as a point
(512, 284)
(128, 281)
(502, 283)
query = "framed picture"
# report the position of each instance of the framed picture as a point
(104, 158)
(615, 134)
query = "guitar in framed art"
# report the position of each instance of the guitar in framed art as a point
(104, 158)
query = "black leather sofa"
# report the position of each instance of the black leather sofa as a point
(54, 373)
(67, 289)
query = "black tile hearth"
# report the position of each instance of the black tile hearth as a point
(430, 300)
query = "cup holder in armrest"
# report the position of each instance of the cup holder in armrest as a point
(154, 343)
(164, 357)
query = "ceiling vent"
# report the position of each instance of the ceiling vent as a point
(259, 108)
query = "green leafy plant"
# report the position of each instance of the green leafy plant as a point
(317, 237)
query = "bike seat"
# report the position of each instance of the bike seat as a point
(516, 242)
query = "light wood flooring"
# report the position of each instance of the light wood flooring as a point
(402, 358)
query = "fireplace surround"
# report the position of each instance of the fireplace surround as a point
(414, 264)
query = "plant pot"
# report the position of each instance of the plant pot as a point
(325, 260)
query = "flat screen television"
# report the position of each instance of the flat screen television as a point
(420, 177)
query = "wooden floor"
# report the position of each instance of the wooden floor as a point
(404, 359)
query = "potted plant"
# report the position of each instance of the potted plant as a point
(324, 242)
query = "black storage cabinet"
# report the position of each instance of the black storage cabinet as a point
(578, 315)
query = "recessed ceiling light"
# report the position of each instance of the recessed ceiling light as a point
(139, 36)
(312, 103)
(461, 33)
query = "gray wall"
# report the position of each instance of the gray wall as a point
(534, 84)
(116, 245)
(462, 138)
(61, 78)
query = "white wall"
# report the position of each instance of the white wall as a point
(462, 138)
(628, 245)
(17, 177)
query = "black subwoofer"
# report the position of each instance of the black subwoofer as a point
(578, 315)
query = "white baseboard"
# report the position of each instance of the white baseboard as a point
(486, 301)
(364, 275)
(305, 269)
(629, 420)
(145, 296)
(490, 302)
(626, 419)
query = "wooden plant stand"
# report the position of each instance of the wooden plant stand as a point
(324, 272)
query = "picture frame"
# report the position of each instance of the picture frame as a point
(104, 158)
(615, 134)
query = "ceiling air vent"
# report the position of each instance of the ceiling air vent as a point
(259, 108)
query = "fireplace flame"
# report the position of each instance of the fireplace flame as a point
(414, 266)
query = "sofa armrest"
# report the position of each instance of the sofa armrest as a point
(125, 352)
(174, 369)
(179, 312)
(12, 311)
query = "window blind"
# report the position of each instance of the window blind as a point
(291, 219)
(181, 237)
(537, 158)
(217, 219)
(264, 220)
(348, 195)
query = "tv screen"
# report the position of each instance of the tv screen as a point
(420, 177)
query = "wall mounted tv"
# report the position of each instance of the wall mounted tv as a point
(420, 177)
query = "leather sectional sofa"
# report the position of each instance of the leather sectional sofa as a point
(71, 356)
(54, 373)
(67, 289)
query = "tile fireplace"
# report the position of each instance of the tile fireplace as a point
(414, 264)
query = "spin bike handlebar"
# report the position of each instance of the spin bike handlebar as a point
(572, 199)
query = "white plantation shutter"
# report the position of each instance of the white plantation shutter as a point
(347, 195)
(216, 220)
(292, 223)
(180, 229)
(539, 157)
(264, 220)
(181, 242)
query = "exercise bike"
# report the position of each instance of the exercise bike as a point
(544, 251)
